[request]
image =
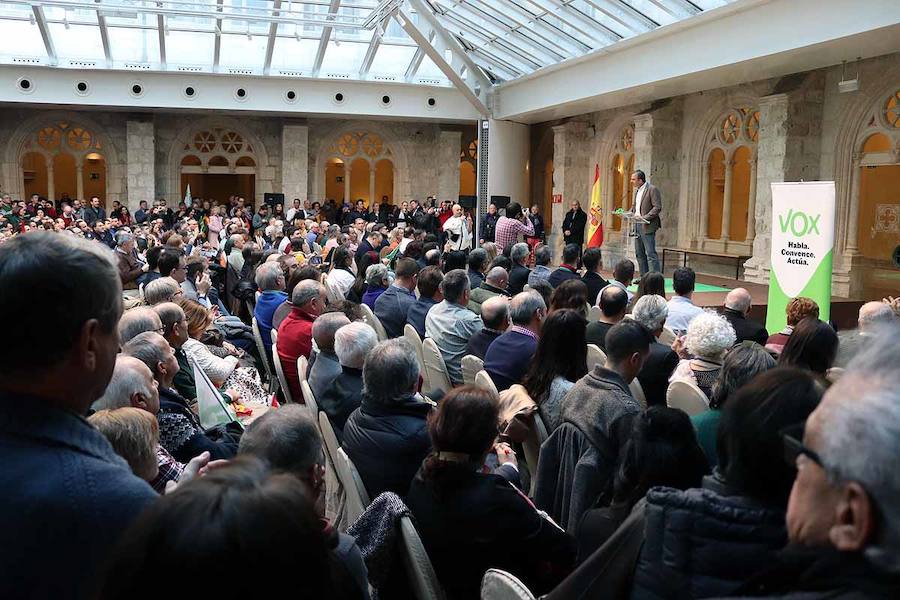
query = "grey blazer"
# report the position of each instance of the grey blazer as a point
(651, 206)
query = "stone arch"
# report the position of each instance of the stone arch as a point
(605, 155)
(17, 147)
(398, 158)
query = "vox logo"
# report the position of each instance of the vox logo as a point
(799, 223)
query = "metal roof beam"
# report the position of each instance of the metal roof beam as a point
(326, 35)
(270, 43)
(104, 35)
(161, 26)
(217, 47)
(369, 58)
(523, 61)
(41, 21)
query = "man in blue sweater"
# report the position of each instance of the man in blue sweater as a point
(509, 356)
(67, 495)
(270, 280)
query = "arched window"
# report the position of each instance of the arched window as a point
(359, 166)
(217, 162)
(621, 166)
(63, 160)
(468, 168)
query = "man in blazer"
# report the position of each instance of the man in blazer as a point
(647, 203)
(573, 226)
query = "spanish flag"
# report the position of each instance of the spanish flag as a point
(595, 228)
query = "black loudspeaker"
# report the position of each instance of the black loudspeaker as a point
(500, 201)
(273, 199)
(468, 201)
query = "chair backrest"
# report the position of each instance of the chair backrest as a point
(594, 313)
(279, 371)
(410, 333)
(309, 398)
(667, 336)
(595, 356)
(302, 367)
(371, 320)
(328, 437)
(274, 335)
(834, 373)
(470, 366)
(484, 381)
(500, 585)
(355, 493)
(434, 366)
(422, 579)
(686, 396)
(531, 446)
(261, 348)
(638, 392)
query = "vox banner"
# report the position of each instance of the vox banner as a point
(802, 242)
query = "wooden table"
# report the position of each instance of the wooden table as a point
(685, 252)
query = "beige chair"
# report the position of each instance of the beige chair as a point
(470, 366)
(355, 494)
(279, 371)
(638, 392)
(435, 367)
(335, 504)
(261, 348)
(834, 373)
(594, 314)
(422, 579)
(484, 381)
(302, 367)
(667, 336)
(500, 585)
(309, 399)
(686, 396)
(274, 335)
(371, 320)
(531, 446)
(595, 356)
(412, 336)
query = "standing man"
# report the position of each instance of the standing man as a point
(459, 230)
(573, 226)
(647, 204)
(489, 225)
(537, 221)
(94, 212)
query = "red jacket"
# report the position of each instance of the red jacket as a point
(294, 341)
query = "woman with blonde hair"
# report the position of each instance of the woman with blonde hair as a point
(134, 435)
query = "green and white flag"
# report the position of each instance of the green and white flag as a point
(187, 196)
(802, 243)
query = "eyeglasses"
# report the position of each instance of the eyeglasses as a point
(793, 447)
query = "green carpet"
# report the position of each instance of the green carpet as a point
(700, 287)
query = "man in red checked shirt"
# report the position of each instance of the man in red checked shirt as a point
(510, 226)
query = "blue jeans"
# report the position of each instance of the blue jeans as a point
(645, 247)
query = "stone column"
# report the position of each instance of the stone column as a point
(726, 201)
(751, 203)
(371, 185)
(51, 185)
(558, 211)
(294, 162)
(703, 230)
(140, 163)
(448, 165)
(851, 247)
(79, 180)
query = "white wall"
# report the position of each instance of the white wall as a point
(509, 149)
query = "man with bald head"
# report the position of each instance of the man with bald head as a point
(326, 366)
(873, 316)
(138, 320)
(737, 311)
(613, 302)
(295, 332)
(459, 230)
(495, 316)
(494, 285)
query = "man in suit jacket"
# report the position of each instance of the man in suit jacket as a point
(573, 226)
(737, 309)
(647, 203)
(518, 275)
(393, 305)
(651, 312)
(592, 277)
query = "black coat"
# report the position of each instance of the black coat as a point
(341, 398)
(561, 274)
(574, 222)
(746, 329)
(480, 521)
(387, 443)
(518, 277)
(654, 375)
(595, 283)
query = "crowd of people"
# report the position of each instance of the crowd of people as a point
(783, 487)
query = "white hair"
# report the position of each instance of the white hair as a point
(353, 342)
(267, 275)
(877, 314)
(651, 311)
(377, 274)
(860, 424)
(162, 289)
(523, 306)
(519, 252)
(709, 335)
(126, 381)
(137, 320)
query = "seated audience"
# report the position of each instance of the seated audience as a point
(477, 263)
(613, 303)
(152, 272)
(560, 361)
(164, 289)
(592, 277)
(386, 437)
(733, 526)
(681, 309)
(571, 294)
(130, 267)
(341, 277)
(352, 343)
(651, 311)
(495, 317)
(709, 336)
(541, 287)
(377, 282)
(813, 345)
(284, 309)
(494, 285)
(67, 495)
(508, 357)
(360, 284)
(542, 257)
(450, 324)
(288, 441)
(271, 282)
(623, 274)
(737, 312)
(429, 285)
(797, 309)
(651, 284)
(175, 332)
(872, 317)
(393, 305)
(569, 267)
(138, 320)
(327, 366)
(247, 512)
(519, 272)
(295, 332)
(134, 435)
(742, 363)
(471, 521)
(661, 451)
(578, 460)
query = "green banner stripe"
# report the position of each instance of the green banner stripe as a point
(818, 289)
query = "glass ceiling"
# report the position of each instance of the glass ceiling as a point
(321, 38)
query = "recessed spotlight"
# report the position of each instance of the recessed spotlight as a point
(339, 97)
(240, 94)
(81, 88)
(190, 92)
(432, 102)
(385, 100)
(290, 96)
(137, 89)
(25, 86)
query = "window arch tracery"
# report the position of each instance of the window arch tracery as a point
(62, 159)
